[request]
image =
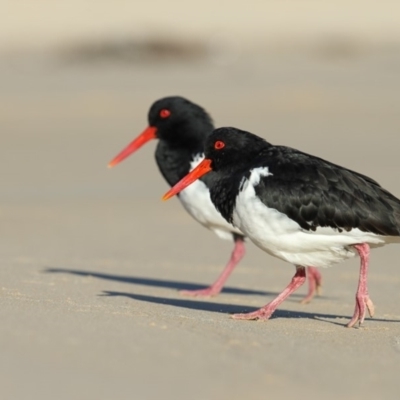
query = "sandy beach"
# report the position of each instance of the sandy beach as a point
(91, 259)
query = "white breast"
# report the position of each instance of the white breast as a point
(282, 237)
(197, 202)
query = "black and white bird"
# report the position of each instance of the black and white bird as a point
(181, 128)
(296, 207)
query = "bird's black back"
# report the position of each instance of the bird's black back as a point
(316, 193)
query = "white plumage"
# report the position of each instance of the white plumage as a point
(197, 202)
(280, 236)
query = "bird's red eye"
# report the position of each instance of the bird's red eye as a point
(219, 145)
(164, 113)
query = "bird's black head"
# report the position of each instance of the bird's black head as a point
(231, 148)
(179, 121)
(174, 120)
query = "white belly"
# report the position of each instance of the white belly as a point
(282, 237)
(197, 202)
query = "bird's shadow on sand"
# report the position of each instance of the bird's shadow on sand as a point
(231, 308)
(161, 283)
(197, 304)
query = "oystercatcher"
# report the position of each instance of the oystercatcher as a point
(296, 207)
(181, 128)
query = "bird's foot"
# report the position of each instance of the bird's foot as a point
(207, 292)
(363, 303)
(314, 284)
(263, 313)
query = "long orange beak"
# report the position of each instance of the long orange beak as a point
(203, 168)
(148, 134)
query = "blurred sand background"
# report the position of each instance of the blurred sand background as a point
(91, 259)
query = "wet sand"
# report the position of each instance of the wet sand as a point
(92, 260)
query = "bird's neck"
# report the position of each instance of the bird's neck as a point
(224, 189)
(174, 162)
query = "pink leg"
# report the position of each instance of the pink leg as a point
(266, 311)
(363, 302)
(314, 284)
(237, 254)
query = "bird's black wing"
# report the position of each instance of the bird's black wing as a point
(316, 193)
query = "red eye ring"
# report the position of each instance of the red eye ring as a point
(218, 145)
(164, 113)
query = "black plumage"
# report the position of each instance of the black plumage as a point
(309, 190)
(181, 136)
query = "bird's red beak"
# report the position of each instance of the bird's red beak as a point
(203, 168)
(148, 134)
